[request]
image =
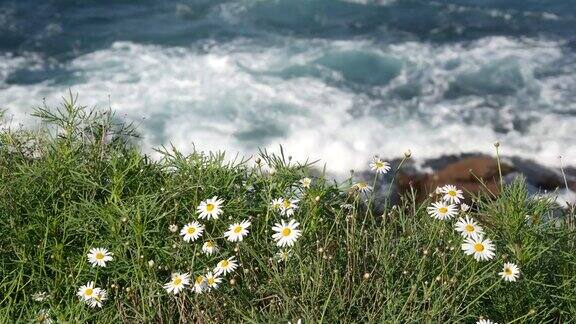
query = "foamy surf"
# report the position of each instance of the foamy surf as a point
(337, 101)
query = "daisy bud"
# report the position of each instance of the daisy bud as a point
(496, 144)
(150, 263)
(258, 160)
(366, 275)
(124, 219)
(408, 153)
(173, 228)
(232, 282)
(317, 198)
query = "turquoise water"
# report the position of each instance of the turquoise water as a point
(335, 80)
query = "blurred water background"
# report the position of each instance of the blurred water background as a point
(328, 79)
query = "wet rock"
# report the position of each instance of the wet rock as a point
(475, 173)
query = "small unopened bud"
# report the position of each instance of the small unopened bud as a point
(496, 144)
(408, 154)
(366, 275)
(232, 282)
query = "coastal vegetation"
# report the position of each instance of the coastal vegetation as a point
(95, 230)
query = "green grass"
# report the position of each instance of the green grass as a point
(80, 181)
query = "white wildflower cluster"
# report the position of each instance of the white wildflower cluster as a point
(475, 243)
(208, 210)
(286, 231)
(91, 295)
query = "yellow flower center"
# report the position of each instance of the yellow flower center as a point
(452, 193)
(469, 228)
(210, 207)
(508, 271)
(211, 281)
(238, 229)
(199, 280)
(362, 185)
(286, 204)
(99, 256)
(286, 231)
(443, 210)
(88, 292)
(224, 263)
(379, 165)
(209, 244)
(177, 281)
(479, 247)
(191, 230)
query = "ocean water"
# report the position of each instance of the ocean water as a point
(333, 80)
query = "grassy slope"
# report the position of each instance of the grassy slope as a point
(88, 186)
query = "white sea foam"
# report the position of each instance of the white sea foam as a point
(240, 96)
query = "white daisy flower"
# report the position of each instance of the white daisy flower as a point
(482, 249)
(43, 317)
(199, 284)
(467, 227)
(362, 187)
(209, 247)
(510, 272)
(379, 166)
(226, 266)
(464, 207)
(442, 210)
(87, 291)
(283, 255)
(210, 208)
(288, 207)
(347, 206)
(212, 280)
(99, 257)
(305, 182)
(98, 299)
(276, 204)
(452, 194)
(192, 231)
(286, 233)
(40, 296)
(177, 283)
(237, 231)
(173, 228)
(485, 321)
